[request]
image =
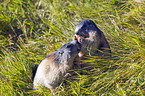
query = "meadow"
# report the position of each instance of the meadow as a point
(32, 29)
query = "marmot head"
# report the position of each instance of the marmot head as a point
(86, 26)
(69, 51)
(89, 35)
(91, 38)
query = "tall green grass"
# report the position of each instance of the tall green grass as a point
(31, 29)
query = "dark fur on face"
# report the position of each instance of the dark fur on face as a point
(92, 39)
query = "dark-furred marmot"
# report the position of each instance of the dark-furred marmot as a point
(92, 40)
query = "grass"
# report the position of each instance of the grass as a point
(31, 29)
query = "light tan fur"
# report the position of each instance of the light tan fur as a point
(52, 69)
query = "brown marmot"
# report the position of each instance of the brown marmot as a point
(52, 69)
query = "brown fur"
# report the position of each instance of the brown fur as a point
(52, 69)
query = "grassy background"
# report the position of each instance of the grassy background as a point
(31, 29)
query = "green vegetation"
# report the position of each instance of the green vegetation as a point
(31, 29)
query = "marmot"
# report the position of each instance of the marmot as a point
(52, 69)
(92, 40)
(93, 43)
